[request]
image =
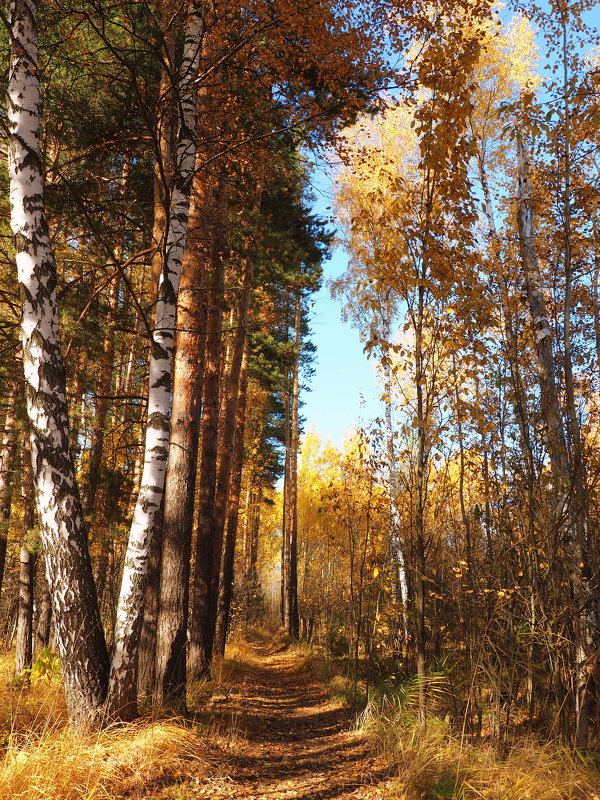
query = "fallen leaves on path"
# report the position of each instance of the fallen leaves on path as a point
(287, 740)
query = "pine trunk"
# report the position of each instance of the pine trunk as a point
(292, 621)
(207, 549)
(228, 437)
(171, 666)
(226, 589)
(105, 376)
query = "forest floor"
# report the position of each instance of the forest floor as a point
(289, 738)
(267, 728)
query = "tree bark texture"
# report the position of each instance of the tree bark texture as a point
(228, 435)
(567, 508)
(123, 675)
(43, 611)
(292, 620)
(105, 375)
(6, 449)
(79, 634)
(207, 549)
(27, 561)
(397, 544)
(233, 506)
(171, 660)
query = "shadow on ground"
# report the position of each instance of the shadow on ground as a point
(290, 740)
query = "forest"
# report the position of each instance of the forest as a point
(200, 594)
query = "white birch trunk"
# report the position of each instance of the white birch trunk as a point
(540, 323)
(123, 677)
(395, 532)
(79, 634)
(5, 442)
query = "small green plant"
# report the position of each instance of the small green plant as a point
(47, 665)
(446, 787)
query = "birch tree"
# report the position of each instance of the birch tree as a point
(79, 634)
(123, 673)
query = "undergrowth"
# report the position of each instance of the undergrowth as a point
(435, 762)
(41, 758)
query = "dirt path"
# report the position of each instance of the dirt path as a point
(292, 740)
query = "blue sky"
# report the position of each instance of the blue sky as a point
(344, 388)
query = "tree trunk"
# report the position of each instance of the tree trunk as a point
(285, 533)
(105, 375)
(43, 616)
(6, 451)
(292, 621)
(397, 545)
(226, 589)
(163, 163)
(566, 493)
(148, 637)
(421, 475)
(228, 437)
(181, 474)
(121, 701)
(207, 549)
(27, 560)
(79, 634)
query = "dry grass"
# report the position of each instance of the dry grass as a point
(30, 708)
(225, 675)
(435, 765)
(41, 759)
(120, 762)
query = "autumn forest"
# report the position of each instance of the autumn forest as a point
(200, 594)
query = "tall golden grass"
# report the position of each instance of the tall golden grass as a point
(42, 759)
(435, 764)
(125, 761)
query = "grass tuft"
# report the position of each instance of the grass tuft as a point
(118, 762)
(434, 764)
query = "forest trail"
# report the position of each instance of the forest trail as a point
(291, 739)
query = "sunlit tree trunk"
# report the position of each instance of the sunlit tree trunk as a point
(567, 510)
(285, 524)
(181, 474)
(123, 675)
(230, 425)
(42, 610)
(79, 634)
(420, 490)
(6, 449)
(149, 633)
(292, 621)
(397, 546)
(163, 163)
(207, 550)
